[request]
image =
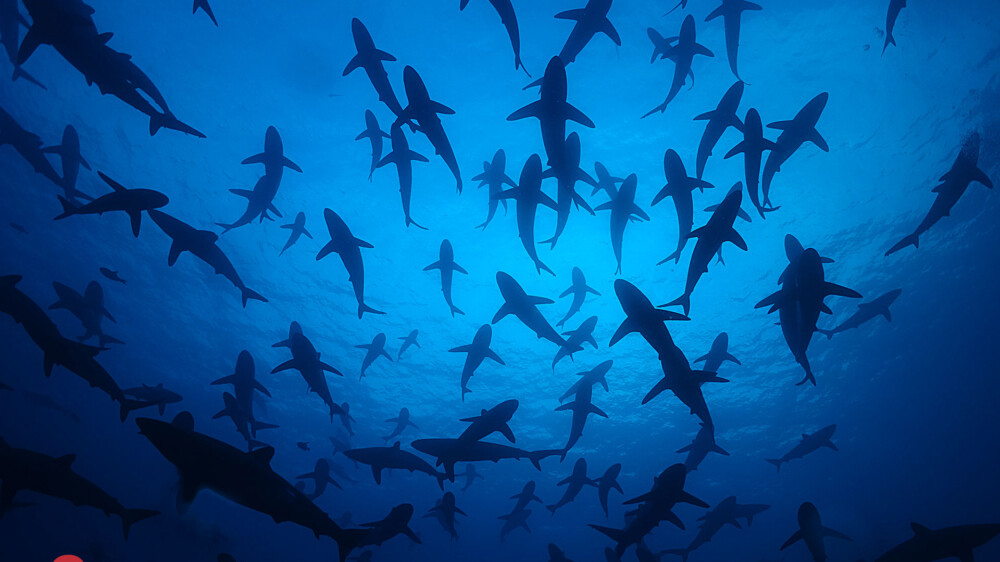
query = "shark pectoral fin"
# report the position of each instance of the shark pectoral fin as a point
(289, 164)
(774, 299)
(731, 358)
(834, 289)
(135, 218)
(818, 140)
(353, 65)
(505, 310)
(539, 300)
(700, 49)
(492, 355)
(255, 159)
(577, 14)
(888, 314)
(608, 206)
(382, 55)
(638, 212)
(981, 177)
(435, 265)
(386, 354)
(684, 449)
(441, 108)
(175, 252)
(186, 491)
(792, 540)
(735, 238)
(290, 364)
(361, 243)
(720, 450)
(412, 155)
(750, 6)
(533, 109)
(574, 114)
(595, 410)
(715, 13)
(242, 192)
(459, 268)
(627, 327)
(740, 147)
(608, 29)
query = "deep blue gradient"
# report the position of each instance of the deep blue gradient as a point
(915, 400)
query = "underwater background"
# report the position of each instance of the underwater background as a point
(914, 400)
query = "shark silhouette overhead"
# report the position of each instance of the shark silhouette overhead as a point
(298, 228)
(718, 354)
(154, 396)
(470, 476)
(574, 484)
(343, 242)
(579, 289)
(605, 182)
(679, 186)
(525, 308)
(752, 147)
(682, 54)
(445, 511)
(703, 444)
(402, 421)
(583, 334)
(590, 20)
(812, 532)
(607, 482)
(644, 318)
(320, 477)
(810, 443)
(112, 275)
(260, 200)
(402, 157)
(131, 201)
(581, 406)
(203, 244)
(370, 59)
(377, 532)
(508, 18)
(244, 383)
(567, 172)
(28, 145)
(494, 177)
(373, 351)
(727, 512)
(381, 458)
(866, 311)
(446, 264)
(556, 554)
(306, 360)
(375, 135)
(528, 195)
(422, 109)
(895, 7)
(719, 119)
(953, 185)
(476, 352)
(590, 378)
(794, 134)
(717, 231)
(69, 155)
(623, 210)
(731, 12)
(246, 425)
(408, 340)
(88, 308)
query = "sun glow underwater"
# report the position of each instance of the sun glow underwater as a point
(499, 285)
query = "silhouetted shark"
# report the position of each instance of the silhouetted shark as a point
(21, 469)
(583, 334)
(246, 425)
(132, 201)
(605, 182)
(703, 444)
(112, 275)
(444, 511)
(809, 443)
(567, 172)
(953, 184)
(574, 484)
(374, 134)
(732, 14)
(607, 482)
(370, 58)
(717, 231)
(719, 119)
(343, 242)
(508, 18)
(812, 532)
(794, 134)
(377, 532)
(11, 21)
(590, 378)
(682, 54)
(381, 458)
(402, 157)
(552, 111)
(514, 520)
(718, 354)
(320, 477)
(306, 360)
(753, 146)
(446, 264)
(374, 350)
(525, 308)
(154, 396)
(402, 421)
(579, 290)
(69, 155)
(939, 544)
(685, 383)
(525, 497)
(590, 20)
(489, 421)
(422, 109)
(529, 196)
(866, 311)
(408, 340)
(20, 228)
(88, 308)
(244, 383)
(243, 478)
(655, 506)
(725, 513)
(28, 145)
(895, 6)
(298, 228)
(494, 177)
(470, 476)
(679, 186)
(203, 244)
(581, 406)
(800, 301)
(260, 200)
(451, 451)
(476, 352)
(642, 317)
(623, 210)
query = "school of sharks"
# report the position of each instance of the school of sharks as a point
(568, 210)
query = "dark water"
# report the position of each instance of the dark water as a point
(914, 400)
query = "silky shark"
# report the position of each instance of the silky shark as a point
(494, 177)
(682, 54)
(476, 352)
(446, 264)
(679, 187)
(528, 195)
(344, 243)
(402, 157)
(525, 308)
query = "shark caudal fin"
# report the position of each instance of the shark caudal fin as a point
(363, 308)
(455, 310)
(808, 378)
(247, 294)
(911, 240)
(133, 516)
(68, 207)
(776, 463)
(683, 301)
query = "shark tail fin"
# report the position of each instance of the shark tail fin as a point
(676, 256)
(910, 240)
(684, 301)
(363, 308)
(248, 294)
(776, 463)
(682, 552)
(68, 208)
(455, 310)
(410, 221)
(128, 406)
(808, 378)
(658, 109)
(133, 516)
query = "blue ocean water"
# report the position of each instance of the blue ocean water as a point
(914, 400)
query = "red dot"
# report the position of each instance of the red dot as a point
(68, 558)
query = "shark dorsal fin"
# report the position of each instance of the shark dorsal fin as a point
(264, 454)
(184, 420)
(66, 460)
(919, 530)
